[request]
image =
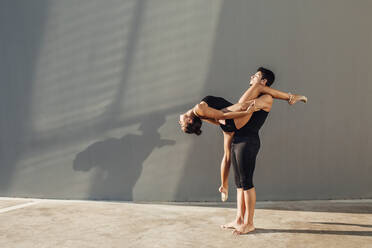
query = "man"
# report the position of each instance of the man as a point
(242, 143)
(241, 148)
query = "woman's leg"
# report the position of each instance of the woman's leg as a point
(225, 164)
(252, 93)
(255, 90)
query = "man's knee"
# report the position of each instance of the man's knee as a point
(247, 184)
(238, 184)
(248, 187)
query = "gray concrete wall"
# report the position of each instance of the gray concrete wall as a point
(91, 92)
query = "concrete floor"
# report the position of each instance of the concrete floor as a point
(54, 223)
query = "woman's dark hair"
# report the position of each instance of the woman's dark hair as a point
(195, 126)
(268, 75)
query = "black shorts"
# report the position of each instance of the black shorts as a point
(244, 151)
(221, 103)
(229, 125)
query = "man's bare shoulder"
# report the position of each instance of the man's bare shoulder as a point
(267, 102)
(267, 98)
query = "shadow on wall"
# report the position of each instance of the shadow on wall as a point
(22, 27)
(119, 162)
(225, 78)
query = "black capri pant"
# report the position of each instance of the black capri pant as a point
(244, 151)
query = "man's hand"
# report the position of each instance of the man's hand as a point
(253, 107)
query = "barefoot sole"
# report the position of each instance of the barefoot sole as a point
(224, 196)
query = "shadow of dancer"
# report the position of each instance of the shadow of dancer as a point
(311, 231)
(119, 162)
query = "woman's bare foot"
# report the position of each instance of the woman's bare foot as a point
(233, 225)
(243, 229)
(295, 98)
(224, 193)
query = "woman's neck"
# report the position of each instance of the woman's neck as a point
(192, 113)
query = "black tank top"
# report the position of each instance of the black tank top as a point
(216, 102)
(253, 125)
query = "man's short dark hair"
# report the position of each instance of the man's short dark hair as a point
(268, 75)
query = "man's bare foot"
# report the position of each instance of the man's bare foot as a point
(243, 229)
(233, 225)
(295, 98)
(224, 193)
